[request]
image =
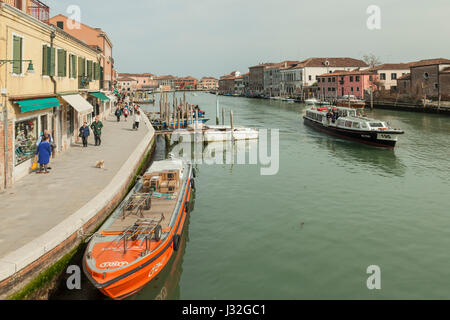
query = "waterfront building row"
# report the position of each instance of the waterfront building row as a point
(49, 80)
(336, 77)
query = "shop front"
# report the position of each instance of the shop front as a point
(77, 110)
(34, 118)
(99, 102)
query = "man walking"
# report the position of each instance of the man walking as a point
(84, 134)
(96, 127)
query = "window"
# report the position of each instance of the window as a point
(393, 76)
(357, 78)
(310, 78)
(426, 75)
(89, 70)
(356, 125)
(351, 89)
(48, 61)
(60, 24)
(329, 79)
(73, 66)
(62, 63)
(357, 89)
(376, 125)
(382, 76)
(17, 67)
(333, 79)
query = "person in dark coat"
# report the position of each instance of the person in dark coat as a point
(84, 134)
(44, 151)
(118, 113)
(96, 127)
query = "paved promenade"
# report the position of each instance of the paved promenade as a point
(39, 202)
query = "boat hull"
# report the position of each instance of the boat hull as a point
(133, 279)
(387, 139)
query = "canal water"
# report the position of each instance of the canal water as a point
(310, 231)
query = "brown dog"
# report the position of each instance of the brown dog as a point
(100, 164)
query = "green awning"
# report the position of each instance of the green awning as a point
(116, 92)
(37, 104)
(100, 96)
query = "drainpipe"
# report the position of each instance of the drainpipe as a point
(52, 78)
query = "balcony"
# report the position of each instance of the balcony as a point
(38, 10)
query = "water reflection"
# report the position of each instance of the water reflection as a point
(385, 161)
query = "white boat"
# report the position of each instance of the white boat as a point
(224, 133)
(311, 101)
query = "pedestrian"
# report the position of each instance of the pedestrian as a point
(44, 152)
(84, 134)
(137, 120)
(47, 134)
(118, 113)
(126, 112)
(96, 127)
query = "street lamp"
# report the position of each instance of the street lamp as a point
(30, 68)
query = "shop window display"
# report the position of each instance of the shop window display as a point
(26, 138)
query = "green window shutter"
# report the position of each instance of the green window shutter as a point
(80, 70)
(52, 61)
(17, 55)
(74, 61)
(44, 61)
(65, 63)
(89, 70)
(60, 63)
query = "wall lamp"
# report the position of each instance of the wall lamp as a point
(30, 65)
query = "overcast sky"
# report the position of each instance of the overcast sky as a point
(215, 37)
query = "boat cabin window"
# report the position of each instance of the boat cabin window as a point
(356, 125)
(376, 125)
(363, 125)
(341, 123)
(348, 124)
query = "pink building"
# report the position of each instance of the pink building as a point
(342, 83)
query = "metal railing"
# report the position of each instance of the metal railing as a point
(38, 10)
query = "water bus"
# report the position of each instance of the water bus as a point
(348, 124)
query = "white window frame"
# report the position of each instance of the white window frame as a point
(13, 34)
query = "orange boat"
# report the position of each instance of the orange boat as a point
(139, 238)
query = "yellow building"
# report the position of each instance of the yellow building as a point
(49, 80)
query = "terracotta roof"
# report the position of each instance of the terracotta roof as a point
(430, 62)
(126, 79)
(227, 77)
(166, 77)
(263, 65)
(405, 77)
(283, 64)
(392, 66)
(332, 63)
(187, 78)
(343, 73)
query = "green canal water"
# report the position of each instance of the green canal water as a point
(310, 231)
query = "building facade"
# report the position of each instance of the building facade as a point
(97, 39)
(208, 83)
(389, 73)
(50, 81)
(186, 83)
(168, 82)
(256, 79)
(337, 84)
(429, 78)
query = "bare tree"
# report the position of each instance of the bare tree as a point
(372, 60)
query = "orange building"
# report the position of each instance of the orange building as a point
(186, 83)
(208, 83)
(97, 39)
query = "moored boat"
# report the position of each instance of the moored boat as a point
(138, 239)
(346, 123)
(350, 101)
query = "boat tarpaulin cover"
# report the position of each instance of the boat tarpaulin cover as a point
(100, 96)
(78, 103)
(37, 104)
